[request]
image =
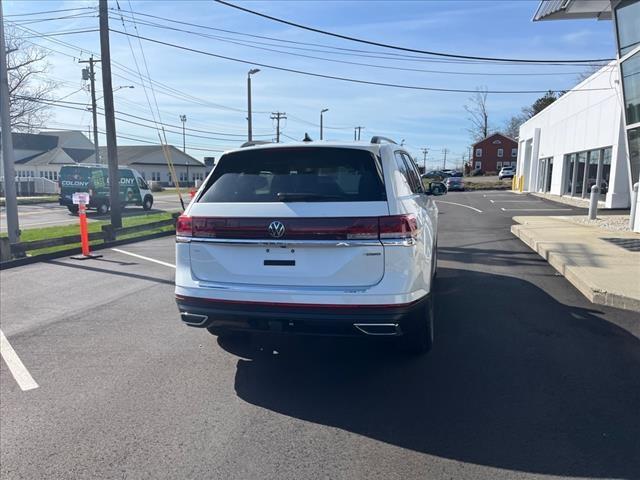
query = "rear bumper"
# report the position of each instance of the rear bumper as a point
(302, 319)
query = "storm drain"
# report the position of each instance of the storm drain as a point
(631, 244)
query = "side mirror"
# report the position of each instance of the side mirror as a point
(437, 188)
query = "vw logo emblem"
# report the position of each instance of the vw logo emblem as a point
(276, 229)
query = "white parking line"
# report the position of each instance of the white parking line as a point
(460, 205)
(160, 262)
(23, 378)
(535, 209)
(516, 201)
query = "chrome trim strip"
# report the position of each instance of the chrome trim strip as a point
(286, 243)
(403, 242)
(204, 318)
(363, 328)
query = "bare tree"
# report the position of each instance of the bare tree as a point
(588, 71)
(512, 127)
(28, 89)
(478, 114)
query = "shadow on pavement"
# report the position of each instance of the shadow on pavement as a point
(516, 381)
(90, 268)
(490, 256)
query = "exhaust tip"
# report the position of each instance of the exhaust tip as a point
(386, 329)
(193, 318)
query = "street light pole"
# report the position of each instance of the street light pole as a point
(183, 119)
(249, 119)
(321, 112)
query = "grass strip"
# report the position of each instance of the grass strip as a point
(34, 234)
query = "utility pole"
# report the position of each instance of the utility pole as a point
(277, 116)
(11, 200)
(357, 129)
(91, 76)
(444, 162)
(109, 117)
(425, 150)
(321, 112)
(249, 117)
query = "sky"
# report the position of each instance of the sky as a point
(212, 92)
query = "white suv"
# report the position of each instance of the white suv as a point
(311, 238)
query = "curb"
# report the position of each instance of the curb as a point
(559, 263)
(74, 251)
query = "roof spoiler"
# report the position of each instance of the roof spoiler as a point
(253, 143)
(378, 139)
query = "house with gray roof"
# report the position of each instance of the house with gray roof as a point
(151, 162)
(42, 155)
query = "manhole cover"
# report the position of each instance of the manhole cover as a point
(631, 244)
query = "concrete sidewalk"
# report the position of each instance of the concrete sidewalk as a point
(593, 259)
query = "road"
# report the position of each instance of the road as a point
(52, 214)
(527, 379)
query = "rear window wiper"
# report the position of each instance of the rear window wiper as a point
(301, 196)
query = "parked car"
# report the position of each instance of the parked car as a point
(305, 238)
(456, 173)
(507, 172)
(454, 183)
(94, 180)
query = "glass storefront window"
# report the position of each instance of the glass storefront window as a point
(606, 171)
(579, 177)
(631, 86)
(592, 171)
(634, 153)
(569, 164)
(583, 170)
(628, 25)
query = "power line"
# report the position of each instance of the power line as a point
(335, 77)
(50, 11)
(59, 34)
(168, 90)
(405, 49)
(346, 62)
(341, 51)
(73, 106)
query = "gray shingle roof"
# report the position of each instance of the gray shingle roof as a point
(150, 155)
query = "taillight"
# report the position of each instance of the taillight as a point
(183, 226)
(398, 226)
(320, 228)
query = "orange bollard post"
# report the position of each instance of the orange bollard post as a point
(84, 234)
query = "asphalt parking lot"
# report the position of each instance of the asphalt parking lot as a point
(527, 379)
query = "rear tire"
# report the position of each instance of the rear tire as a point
(147, 203)
(103, 208)
(419, 339)
(73, 209)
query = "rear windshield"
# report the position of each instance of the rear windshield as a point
(296, 175)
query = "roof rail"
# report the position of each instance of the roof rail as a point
(253, 143)
(378, 139)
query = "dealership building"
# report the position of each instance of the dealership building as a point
(590, 135)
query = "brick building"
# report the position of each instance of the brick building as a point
(494, 152)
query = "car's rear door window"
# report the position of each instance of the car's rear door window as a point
(303, 174)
